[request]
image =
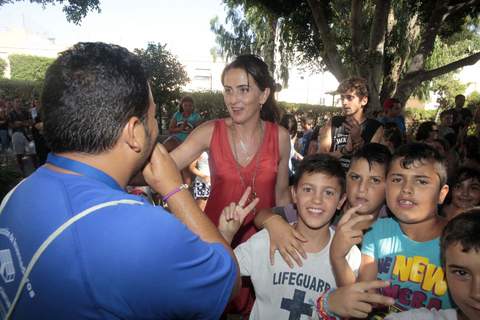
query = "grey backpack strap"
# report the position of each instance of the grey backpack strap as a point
(53, 236)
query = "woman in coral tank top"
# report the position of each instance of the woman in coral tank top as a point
(245, 149)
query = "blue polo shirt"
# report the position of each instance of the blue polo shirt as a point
(121, 262)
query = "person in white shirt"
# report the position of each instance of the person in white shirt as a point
(282, 292)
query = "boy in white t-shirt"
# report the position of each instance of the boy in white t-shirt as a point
(282, 292)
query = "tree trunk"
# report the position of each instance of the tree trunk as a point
(330, 55)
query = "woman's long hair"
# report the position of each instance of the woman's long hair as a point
(254, 66)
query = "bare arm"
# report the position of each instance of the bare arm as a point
(283, 237)
(378, 136)
(325, 140)
(282, 194)
(161, 174)
(347, 234)
(368, 269)
(196, 142)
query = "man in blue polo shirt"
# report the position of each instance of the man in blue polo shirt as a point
(119, 258)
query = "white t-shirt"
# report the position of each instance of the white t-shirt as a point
(424, 314)
(282, 292)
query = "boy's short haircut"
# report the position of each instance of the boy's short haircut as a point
(357, 84)
(464, 173)
(374, 153)
(446, 113)
(461, 174)
(423, 153)
(463, 229)
(320, 163)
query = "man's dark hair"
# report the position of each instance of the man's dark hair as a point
(464, 230)
(320, 163)
(422, 153)
(357, 84)
(90, 93)
(374, 153)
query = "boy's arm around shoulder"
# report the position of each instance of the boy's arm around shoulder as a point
(283, 237)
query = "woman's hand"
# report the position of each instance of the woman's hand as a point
(285, 239)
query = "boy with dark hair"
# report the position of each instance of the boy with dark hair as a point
(343, 135)
(403, 249)
(464, 192)
(460, 251)
(282, 292)
(365, 187)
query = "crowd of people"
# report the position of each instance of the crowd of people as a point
(21, 134)
(285, 218)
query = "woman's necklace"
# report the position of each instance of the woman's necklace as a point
(242, 179)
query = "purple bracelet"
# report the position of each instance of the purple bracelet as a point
(177, 189)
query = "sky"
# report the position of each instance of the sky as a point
(181, 24)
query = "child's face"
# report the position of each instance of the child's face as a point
(366, 186)
(466, 194)
(317, 197)
(413, 194)
(463, 278)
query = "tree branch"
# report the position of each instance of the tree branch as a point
(333, 59)
(467, 61)
(355, 28)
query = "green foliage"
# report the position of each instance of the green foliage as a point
(27, 67)
(166, 74)
(3, 66)
(211, 105)
(458, 45)
(473, 100)
(25, 90)
(248, 30)
(75, 10)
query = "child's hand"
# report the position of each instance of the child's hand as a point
(346, 233)
(354, 301)
(234, 214)
(285, 239)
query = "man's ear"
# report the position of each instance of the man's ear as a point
(133, 134)
(443, 193)
(364, 101)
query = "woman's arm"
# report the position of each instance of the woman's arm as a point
(282, 194)
(196, 142)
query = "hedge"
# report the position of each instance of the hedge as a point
(27, 67)
(3, 66)
(25, 90)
